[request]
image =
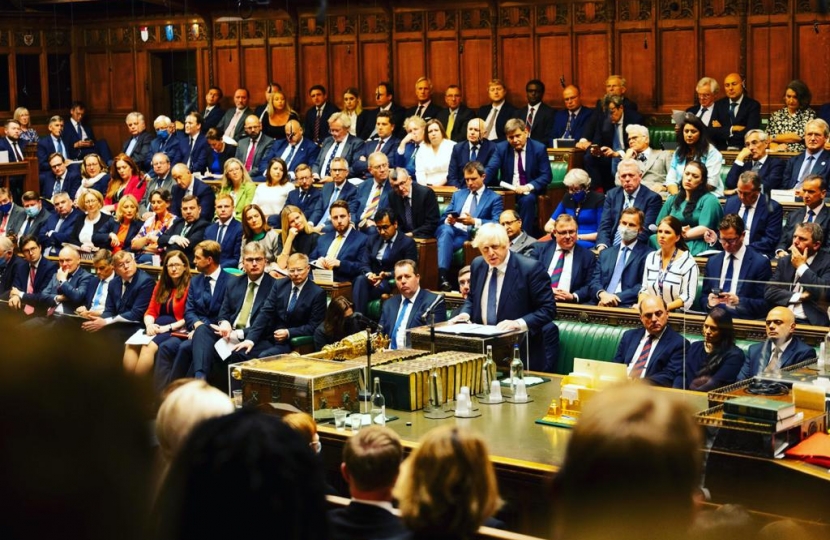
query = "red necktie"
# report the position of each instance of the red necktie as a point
(249, 161)
(640, 364)
(30, 288)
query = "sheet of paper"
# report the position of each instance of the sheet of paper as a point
(505, 185)
(139, 338)
(471, 329)
(224, 347)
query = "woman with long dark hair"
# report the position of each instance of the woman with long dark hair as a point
(716, 361)
(787, 125)
(671, 271)
(336, 325)
(694, 145)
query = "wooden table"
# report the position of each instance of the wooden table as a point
(27, 168)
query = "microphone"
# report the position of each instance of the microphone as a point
(433, 305)
(364, 320)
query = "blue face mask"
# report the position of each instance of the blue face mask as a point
(6, 208)
(579, 196)
(163, 134)
(32, 211)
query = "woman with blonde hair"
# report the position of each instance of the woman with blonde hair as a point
(237, 183)
(125, 226)
(297, 235)
(27, 134)
(276, 115)
(447, 487)
(353, 107)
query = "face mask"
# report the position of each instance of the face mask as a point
(578, 197)
(3, 262)
(163, 134)
(32, 211)
(627, 234)
(5, 208)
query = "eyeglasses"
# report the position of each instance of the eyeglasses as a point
(251, 260)
(297, 271)
(508, 223)
(175, 265)
(565, 233)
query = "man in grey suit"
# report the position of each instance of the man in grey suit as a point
(654, 164)
(520, 241)
(234, 119)
(254, 147)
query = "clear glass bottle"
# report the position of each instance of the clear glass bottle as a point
(378, 410)
(517, 368)
(488, 371)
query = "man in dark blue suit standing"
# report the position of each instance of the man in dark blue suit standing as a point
(497, 112)
(389, 246)
(736, 277)
(226, 231)
(523, 163)
(342, 250)
(753, 157)
(814, 160)
(31, 279)
(618, 274)
(509, 291)
(655, 352)
(630, 194)
(411, 308)
(294, 308)
(474, 149)
(781, 349)
(762, 216)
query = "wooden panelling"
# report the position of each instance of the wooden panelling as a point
(814, 60)
(443, 63)
(255, 72)
(226, 71)
(769, 66)
(344, 72)
(409, 67)
(592, 68)
(97, 81)
(123, 81)
(721, 54)
(284, 70)
(374, 69)
(637, 66)
(313, 70)
(516, 60)
(677, 69)
(474, 75)
(554, 61)
(204, 81)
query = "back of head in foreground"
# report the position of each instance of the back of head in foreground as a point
(447, 487)
(239, 473)
(631, 468)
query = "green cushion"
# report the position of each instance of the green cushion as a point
(660, 134)
(558, 169)
(297, 342)
(586, 340)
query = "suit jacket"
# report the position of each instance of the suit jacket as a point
(351, 146)
(748, 115)
(348, 193)
(815, 281)
(262, 149)
(417, 314)
(360, 521)
(100, 231)
(524, 244)
(360, 167)
(9, 274)
(202, 306)
(239, 130)
(363, 192)
(604, 130)
(407, 159)
(70, 137)
(203, 192)
(771, 173)
(432, 111)
(43, 275)
(581, 270)
(45, 148)
(19, 219)
(506, 112)
(7, 146)
(666, 362)
(632, 276)
(199, 154)
(425, 214)
(353, 255)
(164, 183)
(231, 243)
(307, 314)
(581, 127)
(195, 234)
(236, 289)
(212, 118)
(821, 166)
(134, 302)
(402, 248)
(654, 169)
(398, 117)
(797, 351)
(536, 164)
(459, 128)
(461, 154)
(755, 272)
(57, 238)
(490, 205)
(74, 289)
(310, 118)
(765, 232)
(142, 153)
(646, 200)
(172, 147)
(542, 128)
(796, 217)
(312, 206)
(71, 183)
(306, 152)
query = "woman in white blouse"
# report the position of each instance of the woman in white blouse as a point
(671, 271)
(272, 194)
(433, 159)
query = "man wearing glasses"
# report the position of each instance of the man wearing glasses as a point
(60, 178)
(520, 241)
(337, 189)
(31, 278)
(735, 279)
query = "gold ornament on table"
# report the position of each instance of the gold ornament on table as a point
(353, 346)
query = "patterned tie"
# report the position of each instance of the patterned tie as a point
(727, 278)
(58, 185)
(318, 122)
(556, 274)
(374, 200)
(407, 213)
(756, 166)
(637, 371)
(190, 154)
(774, 361)
(30, 289)
(567, 134)
(399, 321)
(529, 118)
(292, 302)
(492, 297)
(327, 170)
(616, 277)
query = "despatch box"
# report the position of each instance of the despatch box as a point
(502, 344)
(289, 382)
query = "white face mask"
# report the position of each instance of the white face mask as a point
(626, 234)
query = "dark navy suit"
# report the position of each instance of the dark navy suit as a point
(646, 200)
(542, 127)
(417, 313)
(755, 272)
(353, 255)
(195, 234)
(796, 352)
(172, 147)
(771, 173)
(348, 150)
(131, 305)
(632, 276)
(581, 271)
(506, 112)
(525, 294)
(311, 117)
(363, 191)
(747, 115)
(212, 118)
(581, 127)
(459, 127)
(203, 192)
(198, 155)
(43, 276)
(45, 148)
(398, 117)
(815, 281)
(537, 172)
(450, 238)
(231, 243)
(360, 167)
(70, 137)
(796, 217)
(360, 521)
(432, 111)
(403, 247)
(821, 165)
(71, 183)
(462, 154)
(306, 152)
(310, 202)
(141, 153)
(765, 232)
(666, 362)
(425, 214)
(348, 193)
(407, 159)
(75, 290)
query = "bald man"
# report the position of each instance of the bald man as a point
(295, 149)
(735, 114)
(254, 147)
(781, 349)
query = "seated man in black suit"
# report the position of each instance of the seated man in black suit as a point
(473, 149)
(384, 141)
(456, 115)
(59, 178)
(197, 150)
(770, 169)
(801, 279)
(31, 279)
(188, 230)
(388, 247)
(814, 160)
(294, 308)
(734, 116)
(411, 308)
(497, 112)
(416, 205)
(58, 227)
(371, 460)
(735, 278)
(306, 197)
(655, 352)
(618, 275)
(340, 143)
(137, 146)
(34, 216)
(630, 194)
(813, 191)
(425, 109)
(762, 217)
(213, 113)
(9, 264)
(781, 348)
(538, 116)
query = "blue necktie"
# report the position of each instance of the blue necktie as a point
(221, 234)
(292, 302)
(616, 277)
(474, 153)
(727, 279)
(290, 156)
(399, 321)
(732, 107)
(327, 172)
(99, 292)
(60, 147)
(492, 296)
(474, 204)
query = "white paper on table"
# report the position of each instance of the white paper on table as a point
(471, 329)
(224, 347)
(139, 338)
